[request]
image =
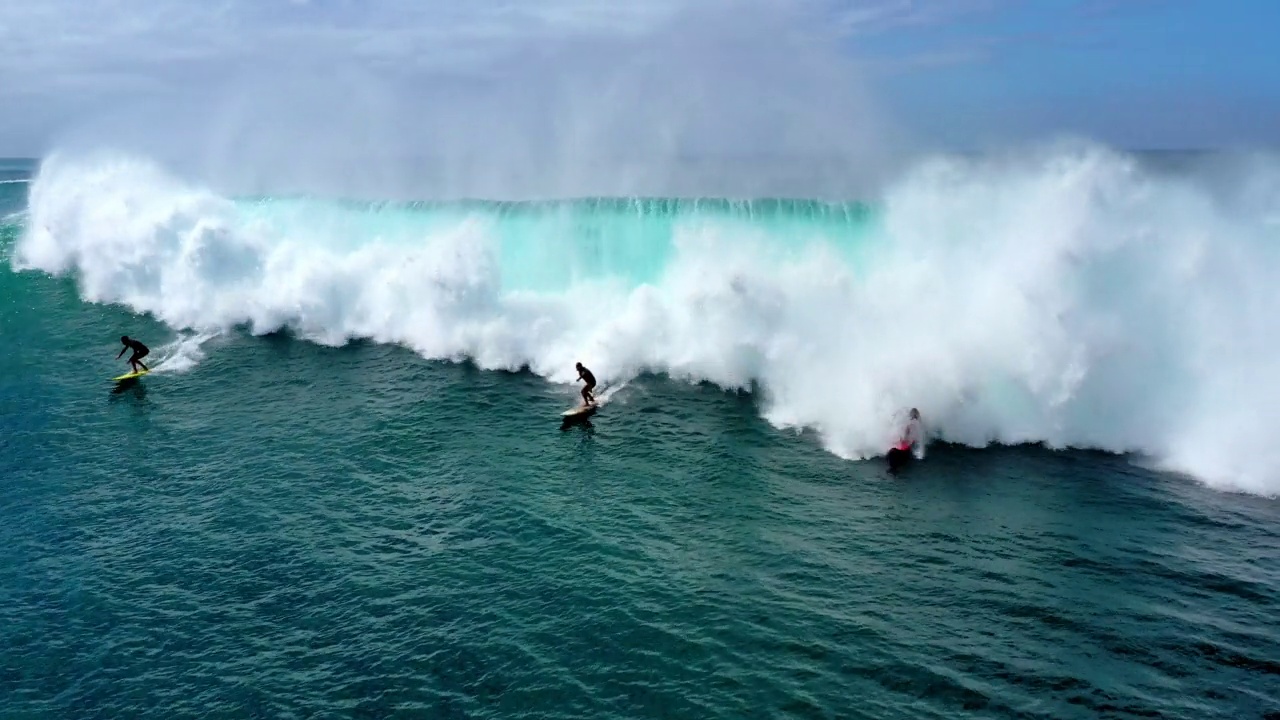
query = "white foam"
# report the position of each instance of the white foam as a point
(181, 355)
(1063, 296)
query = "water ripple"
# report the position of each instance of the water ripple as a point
(392, 538)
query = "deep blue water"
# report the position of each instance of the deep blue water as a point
(288, 530)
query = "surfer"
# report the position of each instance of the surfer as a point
(911, 434)
(584, 374)
(139, 351)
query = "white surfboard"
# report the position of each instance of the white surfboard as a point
(580, 410)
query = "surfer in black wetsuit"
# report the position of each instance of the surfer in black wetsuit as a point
(139, 351)
(584, 374)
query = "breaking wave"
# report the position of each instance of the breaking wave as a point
(1070, 296)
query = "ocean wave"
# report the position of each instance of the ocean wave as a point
(1066, 296)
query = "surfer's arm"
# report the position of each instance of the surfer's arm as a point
(121, 352)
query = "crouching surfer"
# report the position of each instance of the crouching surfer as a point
(139, 351)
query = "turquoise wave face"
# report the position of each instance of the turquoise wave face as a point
(13, 200)
(551, 245)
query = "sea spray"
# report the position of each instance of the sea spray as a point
(1066, 296)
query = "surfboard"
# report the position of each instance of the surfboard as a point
(130, 376)
(580, 410)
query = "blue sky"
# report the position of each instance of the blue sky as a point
(961, 73)
(1148, 73)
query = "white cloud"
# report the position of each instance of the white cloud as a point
(52, 40)
(433, 76)
(882, 15)
(503, 92)
(54, 47)
(65, 60)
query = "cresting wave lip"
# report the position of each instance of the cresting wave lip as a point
(1067, 296)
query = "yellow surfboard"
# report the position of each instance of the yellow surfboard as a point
(130, 376)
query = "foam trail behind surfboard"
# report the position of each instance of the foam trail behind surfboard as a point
(607, 394)
(182, 354)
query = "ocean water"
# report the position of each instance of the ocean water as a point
(346, 491)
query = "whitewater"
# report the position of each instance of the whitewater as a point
(1067, 295)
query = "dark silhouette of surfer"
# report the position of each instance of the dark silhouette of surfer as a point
(139, 351)
(588, 398)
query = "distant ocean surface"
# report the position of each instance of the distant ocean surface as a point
(345, 491)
